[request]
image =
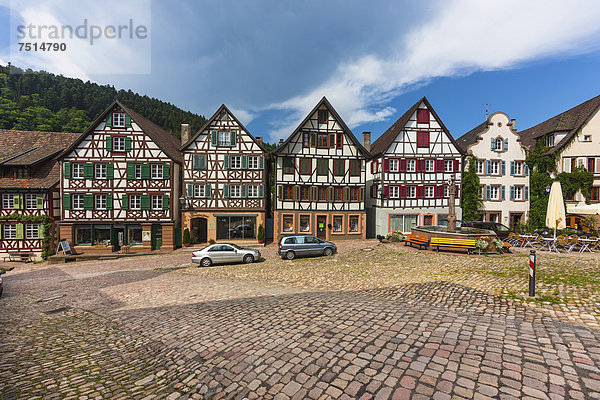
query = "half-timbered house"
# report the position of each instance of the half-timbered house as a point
(225, 180)
(29, 186)
(320, 179)
(120, 184)
(413, 162)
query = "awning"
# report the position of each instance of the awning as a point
(588, 209)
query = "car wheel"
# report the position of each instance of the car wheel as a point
(327, 252)
(290, 255)
(206, 262)
(248, 259)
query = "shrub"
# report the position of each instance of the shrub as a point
(186, 236)
(397, 235)
(212, 241)
(260, 235)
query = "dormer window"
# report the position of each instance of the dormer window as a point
(323, 116)
(550, 140)
(22, 173)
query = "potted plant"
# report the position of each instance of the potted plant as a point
(211, 241)
(395, 236)
(260, 235)
(186, 238)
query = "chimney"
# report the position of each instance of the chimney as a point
(280, 142)
(186, 133)
(259, 139)
(367, 140)
(512, 123)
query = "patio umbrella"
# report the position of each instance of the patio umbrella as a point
(555, 213)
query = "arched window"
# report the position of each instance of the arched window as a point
(499, 144)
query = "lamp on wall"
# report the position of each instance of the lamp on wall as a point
(183, 201)
(547, 189)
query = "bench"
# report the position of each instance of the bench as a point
(468, 244)
(421, 241)
(20, 257)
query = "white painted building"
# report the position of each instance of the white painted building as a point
(503, 173)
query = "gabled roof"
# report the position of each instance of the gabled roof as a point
(168, 143)
(571, 121)
(337, 117)
(471, 137)
(210, 121)
(384, 141)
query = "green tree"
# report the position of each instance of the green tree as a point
(541, 164)
(471, 188)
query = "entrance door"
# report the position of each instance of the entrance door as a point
(198, 231)
(515, 218)
(322, 226)
(428, 220)
(156, 236)
(118, 237)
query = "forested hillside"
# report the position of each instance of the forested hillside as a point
(46, 102)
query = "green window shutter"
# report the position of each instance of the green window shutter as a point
(226, 162)
(244, 162)
(109, 201)
(88, 170)
(145, 171)
(17, 201)
(226, 191)
(67, 201)
(39, 201)
(197, 161)
(88, 201)
(207, 191)
(213, 138)
(130, 171)
(202, 161)
(127, 144)
(165, 201)
(261, 162)
(166, 171)
(110, 171)
(233, 139)
(67, 170)
(145, 202)
(20, 231)
(109, 143)
(124, 202)
(109, 119)
(244, 191)
(261, 190)
(190, 190)
(127, 121)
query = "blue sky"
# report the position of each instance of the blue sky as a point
(271, 61)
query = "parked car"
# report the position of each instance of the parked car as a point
(224, 253)
(1, 284)
(501, 231)
(294, 246)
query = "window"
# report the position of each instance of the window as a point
(224, 139)
(253, 191)
(305, 193)
(586, 138)
(403, 223)
(288, 192)
(339, 140)
(118, 120)
(156, 171)
(100, 202)
(305, 166)
(322, 192)
(411, 165)
(338, 167)
(236, 228)
(199, 191)
(518, 167)
(30, 201)
(305, 139)
(550, 140)
(354, 194)
(253, 162)
(595, 193)
(353, 223)
(305, 223)
(83, 234)
(235, 162)
(134, 234)
(323, 116)
(411, 191)
(157, 202)
(322, 140)
(31, 231)
(429, 192)
(494, 167)
(100, 171)
(394, 192)
(10, 231)
(498, 144)
(118, 143)
(322, 166)
(448, 166)
(394, 165)
(101, 235)
(338, 194)
(77, 171)
(518, 192)
(494, 192)
(135, 202)
(355, 167)
(480, 164)
(288, 223)
(22, 173)
(235, 191)
(77, 201)
(338, 222)
(429, 166)
(288, 165)
(422, 116)
(137, 170)
(591, 164)
(422, 139)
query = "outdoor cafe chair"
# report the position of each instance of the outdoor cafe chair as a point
(574, 243)
(563, 243)
(594, 245)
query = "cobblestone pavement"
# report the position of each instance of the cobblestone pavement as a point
(153, 327)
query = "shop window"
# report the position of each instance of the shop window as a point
(305, 223)
(234, 227)
(353, 223)
(338, 223)
(134, 234)
(403, 222)
(83, 234)
(288, 223)
(101, 235)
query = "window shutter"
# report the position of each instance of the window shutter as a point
(420, 165)
(506, 144)
(124, 202)
(244, 162)
(225, 161)
(456, 191)
(109, 201)
(17, 202)
(280, 192)
(439, 165)
(261, 191)
(127, 144)
(526, 194)
(330, 198)
(67, 170)
(361, 194)
(244, 191)
(226, 191)
(386, 165)
(346, 194)
(165, 202)
(386, 192)
(20, 231)
(526, 169)
(88, 171)
(503, 193)
(67, 201)
(233, 138)
(313, 140)
(127, 121)
(512, 168)
(39, 201)
(332, 140)
(420, 192)
(145, 202)
(512, 193)
(488, 167)
(296, 193)
(207, 191)
(190, 190)
(503, 168)
(145, 171)
(88, 201)
(402, 165)
(439, 191)
(488, 192)
(110, 171)
(402, 192)
(261, 162)
(109, 119)
(130, 171)
(493, 147)
(455, 166)
(108, 143)
(213, 138)
(372, 167)
(166, 171)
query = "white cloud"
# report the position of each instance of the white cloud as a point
(462, 37)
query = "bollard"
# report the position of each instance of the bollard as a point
(532, 273)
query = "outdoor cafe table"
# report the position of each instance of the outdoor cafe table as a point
(550, 244)
(528, 240)
(585, 244)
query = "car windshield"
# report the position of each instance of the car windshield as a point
(235, 246)
(502, 228)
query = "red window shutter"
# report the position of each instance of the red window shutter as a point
(457, 194)
(422, 116)
(439, 165)
(420, 192)
(402, 191)
(422, 139)
(386, 165)
(455, 166)
(372, 167)
(386, 192)
(402, 164)
(420, 165)
(439, 191)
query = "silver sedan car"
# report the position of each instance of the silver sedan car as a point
(224, 253)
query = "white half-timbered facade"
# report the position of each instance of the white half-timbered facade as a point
(409, 173)
(225, 180)
(120, 184)
(320, 179)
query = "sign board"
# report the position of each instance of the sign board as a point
(64, 246)
(120, 238)
(146, 236)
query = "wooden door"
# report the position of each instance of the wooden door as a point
(322, 227)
